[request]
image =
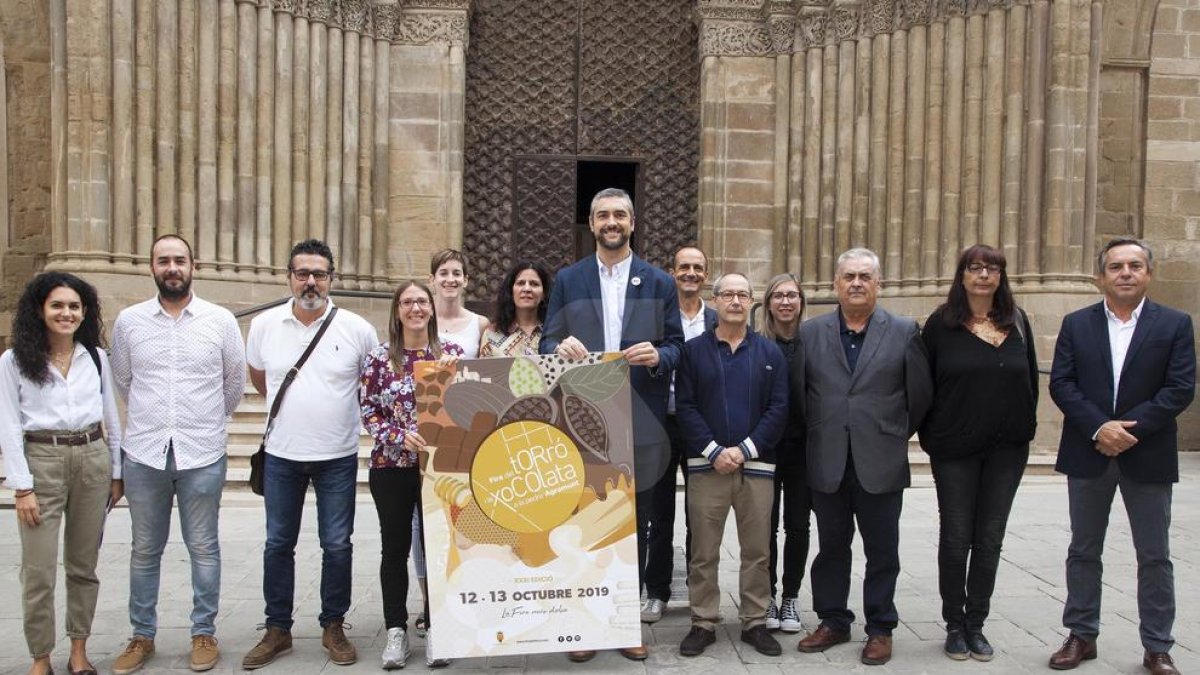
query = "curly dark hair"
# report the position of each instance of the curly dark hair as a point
(31, 347)
(956, 311)
(311, 247)
(506, 308)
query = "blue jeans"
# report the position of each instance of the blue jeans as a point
(284, 487)
(198, 493)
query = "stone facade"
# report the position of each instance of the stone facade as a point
(915, 127)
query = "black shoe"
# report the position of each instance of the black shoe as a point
(760, 638)
(956, 645)
(981, 650)
(696, 640)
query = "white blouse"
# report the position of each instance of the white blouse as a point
(62, 404)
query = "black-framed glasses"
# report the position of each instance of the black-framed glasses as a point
(305, 275)
(978, 268)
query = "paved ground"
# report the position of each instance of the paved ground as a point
(1025, 625)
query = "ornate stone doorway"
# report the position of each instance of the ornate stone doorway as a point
(563, 98)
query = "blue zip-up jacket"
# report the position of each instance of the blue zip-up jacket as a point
(746, 411)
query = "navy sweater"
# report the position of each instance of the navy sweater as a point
(733, 400)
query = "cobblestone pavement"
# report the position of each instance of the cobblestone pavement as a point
(1024, 627)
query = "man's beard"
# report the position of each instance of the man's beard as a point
(612, 245)
(165, 291)
(311, 302)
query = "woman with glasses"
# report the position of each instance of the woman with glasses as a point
(521, 301)
(387, 396)
(61, 438)
(977, 436)
(781, 322)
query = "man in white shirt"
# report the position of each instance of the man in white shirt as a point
(1124, 369)
(690, 270)
(177, 361)
(314, 438)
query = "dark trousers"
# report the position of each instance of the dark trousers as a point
(397, 495)
(975, 495)
(1149, 508)
(878, 516)
(794, 498)
(660, 537)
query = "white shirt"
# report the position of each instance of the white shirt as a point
(63, 404)
(467, 338)
(692, 326)
(613, 282)
(181, 380)
(1120, 334)
(319, 419)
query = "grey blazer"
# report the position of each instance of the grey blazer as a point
(873, 410)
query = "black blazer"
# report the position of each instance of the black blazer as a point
(1158, 381)
(651, 315)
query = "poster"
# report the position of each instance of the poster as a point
(528, 504)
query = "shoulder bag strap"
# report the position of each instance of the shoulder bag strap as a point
(291, 374)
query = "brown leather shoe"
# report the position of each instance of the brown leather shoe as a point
(581, 657)
(334, 640)
(1159, 663)
(635, 653)
(821, 639)
(877, 651)
(204, 653)
(274, 643)
(1074, 650)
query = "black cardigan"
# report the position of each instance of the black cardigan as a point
(984, 396)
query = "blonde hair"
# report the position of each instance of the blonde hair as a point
(770, 328)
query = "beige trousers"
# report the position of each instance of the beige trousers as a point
(72, 485)
(709, 498)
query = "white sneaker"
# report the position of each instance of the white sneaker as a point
(772, 616)
(789, 617)
(396, 653)
(652, 610)
(431, 662)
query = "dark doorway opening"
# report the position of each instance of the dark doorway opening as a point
(592, 176)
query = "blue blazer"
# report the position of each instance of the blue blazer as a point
(651, 315)
(1158, 381)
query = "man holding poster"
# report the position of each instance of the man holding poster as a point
(731, 396)
(616, 302)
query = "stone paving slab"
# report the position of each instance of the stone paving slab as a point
(1025, 625)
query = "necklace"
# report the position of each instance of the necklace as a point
(62, 361)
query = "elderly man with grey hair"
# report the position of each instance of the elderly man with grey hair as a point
(867, 388)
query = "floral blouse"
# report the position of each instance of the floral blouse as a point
(388, 403)
(516, 343)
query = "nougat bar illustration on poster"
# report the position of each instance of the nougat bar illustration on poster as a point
(528, 501)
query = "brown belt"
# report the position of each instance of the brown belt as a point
(56, 438)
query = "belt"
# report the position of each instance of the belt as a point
(57, 438)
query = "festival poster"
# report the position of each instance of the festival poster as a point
(528, 505)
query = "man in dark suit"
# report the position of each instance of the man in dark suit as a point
(690, 270)
(868, 387)
(1123, 370)
(617, 302)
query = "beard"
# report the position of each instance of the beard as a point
(612, 245)
(174, 293)
(310, 300)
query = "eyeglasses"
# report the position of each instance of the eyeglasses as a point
(780, 296)
(978, 268)
(409, 303)
(304, 275)
(730, 296)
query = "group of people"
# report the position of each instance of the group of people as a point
(776, 423)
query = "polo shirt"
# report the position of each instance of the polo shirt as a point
(319, 419)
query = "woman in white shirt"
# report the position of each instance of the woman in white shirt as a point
(457, 324)
(60, 435)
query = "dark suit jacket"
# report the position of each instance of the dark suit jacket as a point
(1158, 381)
(867, 414)
(651, 315)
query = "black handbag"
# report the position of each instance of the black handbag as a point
(258, 460)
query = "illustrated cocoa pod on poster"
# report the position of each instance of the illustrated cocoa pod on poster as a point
(537, 407)
(465, 399)
(586, 424)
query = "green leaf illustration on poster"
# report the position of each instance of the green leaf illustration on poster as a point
(596, 383)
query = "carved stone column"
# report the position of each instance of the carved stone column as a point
(743, 180)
